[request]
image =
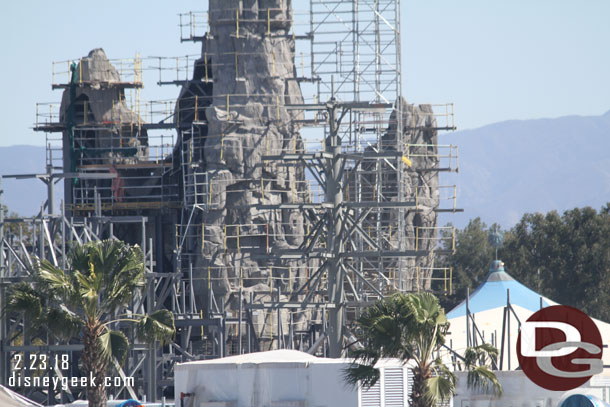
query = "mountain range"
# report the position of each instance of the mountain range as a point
(522, 166)
(506, 169)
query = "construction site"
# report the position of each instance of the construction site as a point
(287, 187)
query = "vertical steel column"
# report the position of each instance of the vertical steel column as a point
(151, 368)
(239, 317)
(356, 50)
(401, 175)
(4, 321)
(50, 185)
(334, 195)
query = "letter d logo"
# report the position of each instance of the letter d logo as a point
(559, 348)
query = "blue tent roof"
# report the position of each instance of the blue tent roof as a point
(583, 400)
(492, 294)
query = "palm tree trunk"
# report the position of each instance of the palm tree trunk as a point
(419, 392)
(94, 365)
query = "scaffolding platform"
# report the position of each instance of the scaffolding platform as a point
(127, 70)
(267, 220)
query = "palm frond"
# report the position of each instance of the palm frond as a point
(480, 355)
(23, 298)
(489, 351)
(439, 388)
(365, 354)
(403, 326)
(79, 258)
(122, 269)
(114, 344)
(62, 322)
(55, 281)
(483, 379)
(366, 375)
(441, 369)
(158, 326)
(89, 296)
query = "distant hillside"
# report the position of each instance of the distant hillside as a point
(520, 166)
(506, 169)
(24, 196)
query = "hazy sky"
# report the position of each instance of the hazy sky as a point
(496, 60)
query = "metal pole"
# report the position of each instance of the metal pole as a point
(152, 352)
(335, 242)
(508, 324)
(239, 346)
(467, 317)
(280, 333)
(503, 336)
(63, 235)
(3, 321)
(249, 330)
(50, 185)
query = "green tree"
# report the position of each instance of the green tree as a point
(407, 327)
(86, 300)
(14, 229)
(566, 258)
(470, 261)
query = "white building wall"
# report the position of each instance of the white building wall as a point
(520, 391)
(315, 383)
(265, 385)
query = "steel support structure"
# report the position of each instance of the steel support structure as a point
(356, 247)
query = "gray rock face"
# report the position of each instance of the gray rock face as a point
(235, 106)
(241, 117)
(100, 100)
(105, 131)
(423, 185)
(420, 183)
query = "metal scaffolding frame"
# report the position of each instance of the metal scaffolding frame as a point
(354, 247)
(354, 63)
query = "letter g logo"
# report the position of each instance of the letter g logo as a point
(559, 348)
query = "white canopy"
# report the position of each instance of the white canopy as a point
(9, 398)
(487, 304)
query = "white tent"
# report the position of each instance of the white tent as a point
(285, 378)
(487, 304)
(9, 398)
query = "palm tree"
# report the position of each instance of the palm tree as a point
(479, 360)
(85, 301)
(409, 327)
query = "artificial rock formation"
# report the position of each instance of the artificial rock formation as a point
(99, 98)
(419, 185)
(422, 185)
(100, 129)
(235, 107)
(244, 79)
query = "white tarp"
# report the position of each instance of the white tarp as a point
(282, 378)
(285, 378)
(9, 398)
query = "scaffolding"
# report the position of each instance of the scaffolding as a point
(356, 188)
(346, 53)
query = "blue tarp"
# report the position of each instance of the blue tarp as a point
(583, 400)
(131, 403)
(492, 294)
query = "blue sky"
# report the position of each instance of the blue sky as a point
(496, 60)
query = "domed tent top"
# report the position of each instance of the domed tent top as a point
(493, 294)
(583, 400)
